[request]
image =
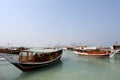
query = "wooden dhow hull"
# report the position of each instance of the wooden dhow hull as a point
(92, 54)
(30, 66)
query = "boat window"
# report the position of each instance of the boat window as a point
(24, 53)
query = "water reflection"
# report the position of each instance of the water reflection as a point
(42, 72)
(8, 71)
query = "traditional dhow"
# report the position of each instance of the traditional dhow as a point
(28, 60)
(93, 52)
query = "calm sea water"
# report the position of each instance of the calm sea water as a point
(71, 67)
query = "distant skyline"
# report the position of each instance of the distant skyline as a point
(63, 22)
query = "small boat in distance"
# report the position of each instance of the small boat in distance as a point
(28, 60)
(93, 52)
(116, 46)
(9, 51)
(12, 50)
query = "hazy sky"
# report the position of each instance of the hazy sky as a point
(44, 22)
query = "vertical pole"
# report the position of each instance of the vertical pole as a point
(32, 57)
(20, 56)
(27, 56)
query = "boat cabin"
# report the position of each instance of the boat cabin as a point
(32, 56)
